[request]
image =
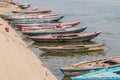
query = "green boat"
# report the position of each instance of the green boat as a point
(104, 74)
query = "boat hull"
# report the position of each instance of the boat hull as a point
(80, 72)
(77, 72)
(60, 39)
(48, 24)
(32, 21)
(104, 74)
(53, 32)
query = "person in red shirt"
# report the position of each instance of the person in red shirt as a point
(59, 26)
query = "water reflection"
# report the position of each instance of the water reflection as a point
(66, 43)
(72, 53)
(63, 53)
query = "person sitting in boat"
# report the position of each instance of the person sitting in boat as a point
(59, 27)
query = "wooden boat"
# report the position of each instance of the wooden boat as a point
(6, 14)
(22, 17)
(10, 14)
(39, 28)
(31, 9)
(88, 66)
(48, 24)
(46, 27)
(53, 31)
(80, 48)
(104, 74)
(24, 5)
(32, 21)
(28, 11)
(66, 37)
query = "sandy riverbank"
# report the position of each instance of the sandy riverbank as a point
(17, 60)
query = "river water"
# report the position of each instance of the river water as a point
(98, 15)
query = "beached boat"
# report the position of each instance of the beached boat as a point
(49, 24)
(80, 48)
(39, 28)
(46, 27)
(66, 37)
(28, 11)
(88, 66)
(32, 21)
(7, 14)
(10, 14)
(22, 17)
(53, 31)
(24, 5)
(104, 74)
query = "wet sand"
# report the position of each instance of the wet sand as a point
(17, 60)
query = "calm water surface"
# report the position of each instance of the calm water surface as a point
(102, 15)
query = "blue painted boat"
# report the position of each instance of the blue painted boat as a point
(54, 31)
(32, 21)
(88, 66)
(104, 74)
(32, 16)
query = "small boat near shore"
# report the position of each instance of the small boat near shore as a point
(88, 66)
(39, 28)
(104, 74)
(62, 26)
(53, 31)
(20, 5)
(32, 21)
(23, 5)
(65, 37)
(29, 11)
(10, 14)
(49, 24)
(22, 17)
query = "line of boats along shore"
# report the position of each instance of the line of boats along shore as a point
(43, 26)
